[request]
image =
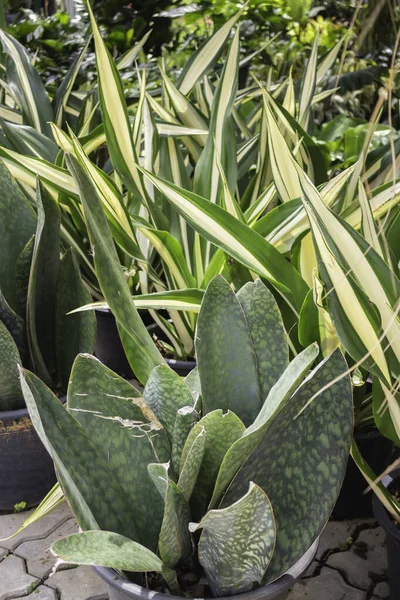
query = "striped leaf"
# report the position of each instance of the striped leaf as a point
(26, 85)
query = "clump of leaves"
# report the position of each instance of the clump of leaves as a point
(231, 472)
(19, 507)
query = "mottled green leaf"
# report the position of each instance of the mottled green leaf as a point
(17, 225)
(142, 353)
(237, 543)
(221, 431)
(127, 434)
(192, 380)
(80, 467)
(42, 286)
(191, 467)
(107, 549)
(174, 544)
(13, 322)
(267, 333)
(224, 347)
(313, 433)
(278, 396)
(74, 333)
(11, 396)
(22, 274)
(166, 393)
(186, 418)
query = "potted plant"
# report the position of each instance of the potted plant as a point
(216, 484)
(37, 291)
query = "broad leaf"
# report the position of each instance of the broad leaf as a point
(237, 543)
(11, 397)
(115, 417)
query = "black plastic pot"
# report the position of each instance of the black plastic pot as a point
(182, 367)
(392, 536)
(352, 503)
(119, 588)
(110, 351)
(26, 469)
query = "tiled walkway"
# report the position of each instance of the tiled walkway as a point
(350, 563)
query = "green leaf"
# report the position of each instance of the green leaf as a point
(13, 322)
(267, 333)
(26, 85)
(237, 543)
(22, 273)
(42, 286)
(17, 225)
(175, 545)
(80, 467)
(221, 431)
(165, 393)
(65, 88)
(224, 347)
(302, 485)
(186, 418)
(206, 56)
(143, 354)
(235, 238)
(26, 140)
(191, 467)
(74, 333)
(127, 434)
(107, 549)
(278, 396)
(11, 397)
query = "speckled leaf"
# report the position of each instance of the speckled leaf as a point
(224, 347)
(22, 273)
(80, 466)
(107, 549)
(267, 332)
(192, 380)
(191, 466)
(127, 434)
(74, 333)
(221, 430)
(313, 433)
(278, 396)
(175, 545)
(237, 543)
(186, 418)
(13, 322)
(11, 396)
(17, 225)
(42, 286)
(166, 393)
(143, 354)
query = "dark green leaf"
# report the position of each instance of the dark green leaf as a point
(11, 396)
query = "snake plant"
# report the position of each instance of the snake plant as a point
(37, 290)
(232, 471)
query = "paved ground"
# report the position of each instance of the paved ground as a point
(350, 563)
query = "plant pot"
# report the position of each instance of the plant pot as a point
(119, 588)
(109, 349)
(26, 469)
(392, 537)
(110, 352)
(352, 503)
(182, 367)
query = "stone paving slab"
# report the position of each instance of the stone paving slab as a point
(41, 593)
(81, 582)
(41, 529)
(350, 563)
(39, 559)
(15, 581)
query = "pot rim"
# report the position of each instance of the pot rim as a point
(274, 589)
(380, 512)
(21, 413)
(179, 364)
